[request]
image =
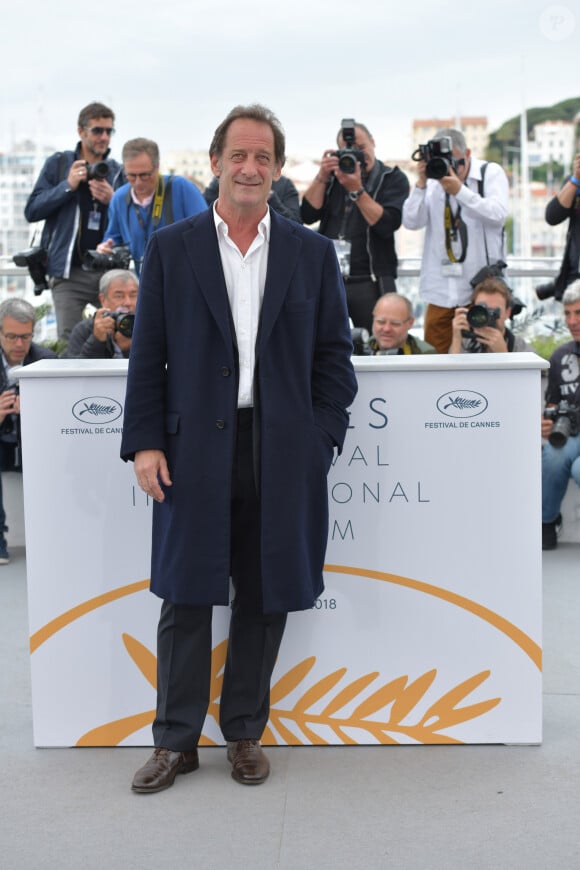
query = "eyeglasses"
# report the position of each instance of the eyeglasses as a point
(142, 176)
(14, 336)
(101, 131)
(396, 324)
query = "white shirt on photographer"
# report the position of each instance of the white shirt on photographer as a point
(484, 218)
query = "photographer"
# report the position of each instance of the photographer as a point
(107, 335)
(392, 320)
(72, 195)
(147, 202)
(566, 206)
(562, 416)
(481, 328)
(361, 209)
(463, 211)
(17, 319)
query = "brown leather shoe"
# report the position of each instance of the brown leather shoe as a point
(162, 768)
(249, 764)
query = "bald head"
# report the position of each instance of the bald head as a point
(392, 320)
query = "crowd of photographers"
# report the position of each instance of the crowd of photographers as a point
(98, 216)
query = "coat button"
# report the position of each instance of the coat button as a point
(226, 372)
(221, 424)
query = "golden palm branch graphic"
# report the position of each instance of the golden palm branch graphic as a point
(324, 705)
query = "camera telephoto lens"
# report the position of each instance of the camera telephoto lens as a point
(97, 170)
(347, 164)
(125, 323)
(545, 291)
(437, 167)
(478, 316)
(561, 432)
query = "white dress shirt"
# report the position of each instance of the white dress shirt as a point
(484, 217)
(245, 280)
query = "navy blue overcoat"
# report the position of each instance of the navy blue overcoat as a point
(182, 399)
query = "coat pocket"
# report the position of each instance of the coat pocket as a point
(172, 423)
(304, 306)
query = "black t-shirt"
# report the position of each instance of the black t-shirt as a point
(88, 239)
(564, 375)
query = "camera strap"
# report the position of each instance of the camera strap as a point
(454, 229)
(158, 201)
(162, 198)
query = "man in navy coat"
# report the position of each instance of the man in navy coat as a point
(239, 382)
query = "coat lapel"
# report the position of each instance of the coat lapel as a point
(282, 256)
(201, 246)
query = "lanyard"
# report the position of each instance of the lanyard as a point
(156, 208)
(454, 227)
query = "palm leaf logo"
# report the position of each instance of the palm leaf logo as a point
(385, 716)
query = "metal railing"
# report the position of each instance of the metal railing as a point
(522, 274)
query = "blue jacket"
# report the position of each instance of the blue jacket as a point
(53, 201)
(126, 228)
(182, 396)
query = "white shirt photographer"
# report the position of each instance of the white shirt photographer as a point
(484, 218)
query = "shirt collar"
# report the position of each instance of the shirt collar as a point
(222, 230)
(475, 169)
(145, 203)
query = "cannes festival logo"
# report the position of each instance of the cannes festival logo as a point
(462, 403)
(97, 409)
(310, 703)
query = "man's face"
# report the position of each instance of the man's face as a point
(363, 142)
(464, 168)
(247, 167)
(391, 322)
(96, 142)
(121, 294)
(495, 300)
(15, 340)
(572, 317)
(142, 175)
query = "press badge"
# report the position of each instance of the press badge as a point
(451, 270)
(342, 248)
(94, 222)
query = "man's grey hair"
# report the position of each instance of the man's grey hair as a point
(571, 293)
(135, 147)
(456, 136)
(124, 275)
(17, 309)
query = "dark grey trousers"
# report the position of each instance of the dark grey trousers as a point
(184, 639)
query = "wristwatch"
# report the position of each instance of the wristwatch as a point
(354, 194)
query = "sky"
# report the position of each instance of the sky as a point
(172, 70)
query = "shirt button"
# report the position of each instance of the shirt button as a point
(226, 372)
(220, 424)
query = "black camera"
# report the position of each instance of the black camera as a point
(491, 270)
(119, 258)
(360, 341)
(495, 270)
(35, 260)
(547, 290)
(566, 417)
(124, 321)
(480, 315)
(438, 157)
(98, 170)
(349, 157)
